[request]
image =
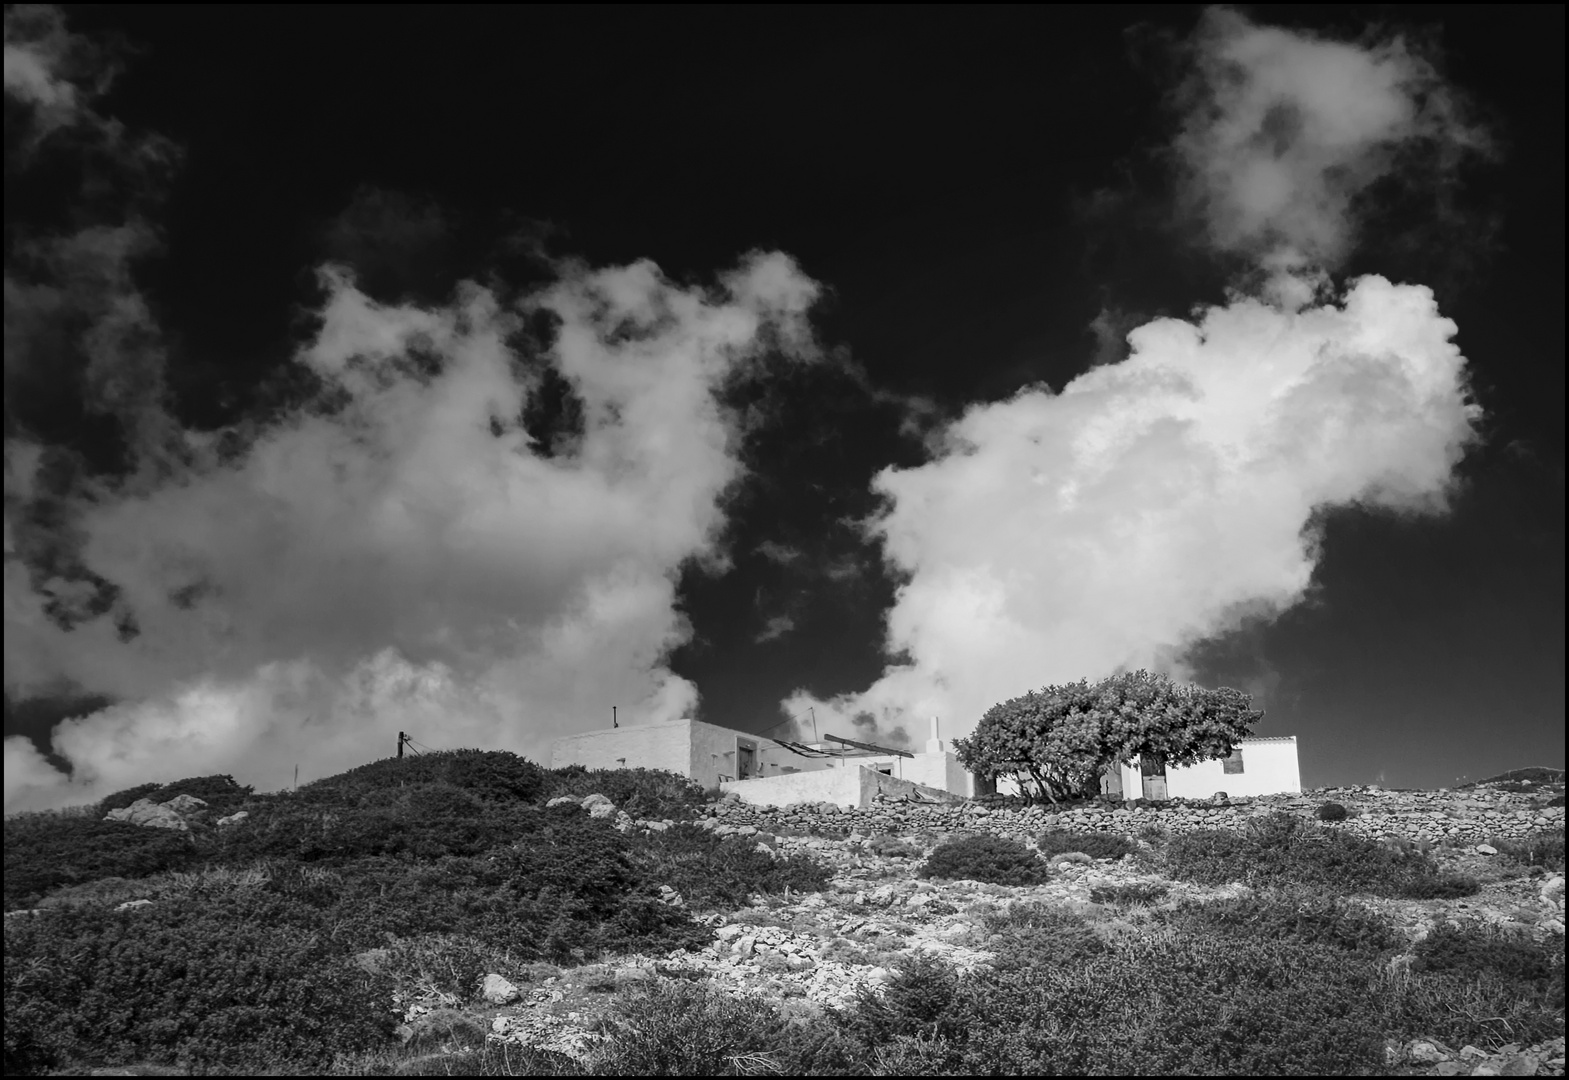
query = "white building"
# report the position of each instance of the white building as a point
(764, 770)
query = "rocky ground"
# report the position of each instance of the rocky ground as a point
(818, 951)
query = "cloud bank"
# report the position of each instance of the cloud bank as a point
(401, 554)
(1161, 500)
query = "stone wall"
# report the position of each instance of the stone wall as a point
(1456, 817)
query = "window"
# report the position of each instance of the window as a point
(1232, 763)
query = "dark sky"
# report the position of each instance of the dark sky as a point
(989, 199)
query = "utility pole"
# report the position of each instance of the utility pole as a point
(401, 737)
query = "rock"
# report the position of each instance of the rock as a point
(629, 976)
(235, 818)
(588, 802)
(879, 976)
(730, 933)
(132, 905)
(147, 813)
(1519, 1065)
(561, 800)
(1470, 1052)
(744, 946)
(1424, 1052)
(1486, 849)
(608, 809)
(184, 804)
(1219, 798)
(1448, 1068)
(499, 991)
(668, 895)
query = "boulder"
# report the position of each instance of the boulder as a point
(498, 991)
(235, 818)
(562, 800)
(588, 802)
(184, 804)
(132, 905)
(147, 813)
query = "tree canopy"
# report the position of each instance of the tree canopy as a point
(1061, 738)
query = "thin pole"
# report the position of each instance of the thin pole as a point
(401, 737)
(613, 721)
(813, 711)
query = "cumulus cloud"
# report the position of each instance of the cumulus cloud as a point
(1163, 499)
(1283, 131)
(405, 552)
(412, 557)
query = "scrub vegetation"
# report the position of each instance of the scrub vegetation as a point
(293, 942)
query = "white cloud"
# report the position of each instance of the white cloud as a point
(401, 564)
(1284, 131)
(1156, 501)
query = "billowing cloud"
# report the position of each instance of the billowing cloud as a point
(412, 557)
(1163, 499)
(1284, 131)
(407, 552)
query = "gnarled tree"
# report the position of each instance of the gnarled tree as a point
(1058, 740)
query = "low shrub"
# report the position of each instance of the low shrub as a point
(644, 793)
(1097, 845)
(917, 1001)
(48, 850)
(1032, 934)
(1332, 811)
(680, 1029)
(985, 857)
(715, 872)
(1475, 949)
(1135, 893)
(1291, 915)
(1281, 849)
(1541, 849)
(220, 982)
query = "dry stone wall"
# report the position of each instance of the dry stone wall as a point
(1457, 817)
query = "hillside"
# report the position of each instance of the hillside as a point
(473, 913)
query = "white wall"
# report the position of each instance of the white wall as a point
(1269, 767)
(841, 786)
(635, 746)
(940, 770)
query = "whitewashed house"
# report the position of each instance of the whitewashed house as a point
(767, 771)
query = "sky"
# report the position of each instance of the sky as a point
(474, 373)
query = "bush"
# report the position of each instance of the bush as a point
(988, 858)
(716, 872)
(1135, 893)
(44, 851)
(1332, 811)
(645, 793)
(678, 1029)
(1280, 849)
(1543, 849)
(1296, 915)
(916, 1001)
(1472, 950)
(219, 982)
(492, 776)
(1097, 845)
(1032, 934)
